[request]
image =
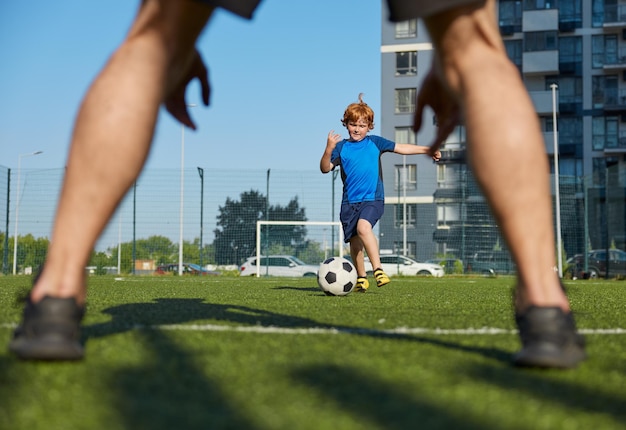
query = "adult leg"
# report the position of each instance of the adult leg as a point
(505, 144)
(111, 141)
(113, 133)
(508, 159)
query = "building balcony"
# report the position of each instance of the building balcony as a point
(615, 102)
(615, 61)
(452, 156)
(548, 140)
(615, 16)
(541, 62)
(542, 100)
(540, 20)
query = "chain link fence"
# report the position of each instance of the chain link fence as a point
(219, 209)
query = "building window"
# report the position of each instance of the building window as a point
(510, 16)
(406, 29)
(405, 100)
(570, 14)
(411, 248)
(597, 13)
(406, 63)
(411, 210)
(405, 135)
(406, 177)
(514, 52)
(570, 130)
(540, 41)
(604, 91)
(447, 214)
(604, 132)
(599, 172)
(570, 54)
(570, 90)
(597, 51)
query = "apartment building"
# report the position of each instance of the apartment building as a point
(571, 55)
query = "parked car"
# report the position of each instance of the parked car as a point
(596, 264)
(490, 263)
(450, 265)
(278, 265)
(401, 265)
(188, 269)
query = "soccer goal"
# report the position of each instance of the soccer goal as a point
(310, 241)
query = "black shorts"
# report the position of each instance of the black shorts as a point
(403, 10)
(351, 213)
(243, 8)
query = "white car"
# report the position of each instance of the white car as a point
(278, 265)
(401, 265)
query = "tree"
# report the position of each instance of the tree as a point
(235, 235)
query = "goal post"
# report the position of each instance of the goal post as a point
(335, 243)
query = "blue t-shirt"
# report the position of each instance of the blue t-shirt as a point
(361, 170)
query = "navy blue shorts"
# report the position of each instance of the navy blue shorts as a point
(351, 213)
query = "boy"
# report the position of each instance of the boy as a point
(363, 198)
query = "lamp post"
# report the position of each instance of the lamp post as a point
(182, 196)
(201, 173)
(17, 205)
(557, 198)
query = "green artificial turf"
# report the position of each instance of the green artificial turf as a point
(274, 353)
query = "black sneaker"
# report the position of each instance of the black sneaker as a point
(549, 339)
(50, 330)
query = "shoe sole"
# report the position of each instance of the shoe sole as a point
(47, 349)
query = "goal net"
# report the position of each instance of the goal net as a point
(310, 241)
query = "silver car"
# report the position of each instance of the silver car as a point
(278, 265)
(401, 265)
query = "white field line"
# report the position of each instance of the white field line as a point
(343, 330)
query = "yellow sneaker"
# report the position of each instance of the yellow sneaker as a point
(381, 278)
(362, 284)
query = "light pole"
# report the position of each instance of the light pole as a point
(557, 198)
(17, 205)
(182, 196)
(201, 173)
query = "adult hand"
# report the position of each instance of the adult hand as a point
(175, 102)
(447, 111)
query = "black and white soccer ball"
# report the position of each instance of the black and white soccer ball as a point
(336, 276)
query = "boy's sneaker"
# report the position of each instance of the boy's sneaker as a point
(381, 278)
(50, 330)
(362, 284)
(549, 339)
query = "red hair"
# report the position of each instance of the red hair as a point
(357, 111)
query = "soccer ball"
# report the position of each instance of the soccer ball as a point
(336, 276)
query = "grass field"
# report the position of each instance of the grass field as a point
(271, 353)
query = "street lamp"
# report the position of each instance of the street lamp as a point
(182, 198)
(557, 198)
(201, 173)
(17, 205)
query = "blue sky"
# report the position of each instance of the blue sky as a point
(280, 82)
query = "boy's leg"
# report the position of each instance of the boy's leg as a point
(366, 234)
(110, 143)
(508, 158)
(358, 259)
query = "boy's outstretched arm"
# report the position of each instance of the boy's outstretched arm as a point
(409, 149)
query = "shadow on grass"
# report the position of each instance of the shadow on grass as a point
(573, 396)
(178, 311)
(171, 392)
(386, 405)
